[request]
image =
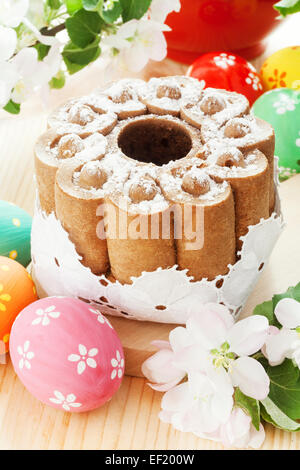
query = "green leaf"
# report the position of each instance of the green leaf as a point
(287, 7)
(272, 414)
(284, 387)
(249, 405)
(84, 27)
(266, 310)
(54, 4)
(12, 107)
(134, 8)
(73, 5)
(58, 81)
(42, 50)
(76, 58)
(296, 292)
(92, 5)
(110, 15)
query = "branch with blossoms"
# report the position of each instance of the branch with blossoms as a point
(223, 379)
(41, 41)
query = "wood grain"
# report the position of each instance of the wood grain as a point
(130, 419)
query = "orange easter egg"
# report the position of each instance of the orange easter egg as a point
(17, 290)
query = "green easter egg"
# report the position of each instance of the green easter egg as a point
(15, 228)
(281, 108)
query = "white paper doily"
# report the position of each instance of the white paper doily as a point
(165, 295)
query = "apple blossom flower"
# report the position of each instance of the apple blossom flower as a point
(136, 42)
(200, 405)
(200, 367)
(228, 345)
(284, 343)
(159, 9)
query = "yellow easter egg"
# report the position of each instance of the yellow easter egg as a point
(282, 69)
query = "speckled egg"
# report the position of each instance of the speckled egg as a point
(15, 228)
(67, 354)
(281, 108)
(282, 69)
(17, 290)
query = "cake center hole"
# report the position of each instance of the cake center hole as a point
(155, 141)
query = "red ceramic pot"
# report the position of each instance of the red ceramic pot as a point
(202, 26)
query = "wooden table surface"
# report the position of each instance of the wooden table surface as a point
(130, 419)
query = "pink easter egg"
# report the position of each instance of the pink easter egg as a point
(66, 354)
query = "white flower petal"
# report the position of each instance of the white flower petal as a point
(50, 309)
(210, 326)
(45, 321)
(73, 358)
(36, 321)
(30, 355)
(165, 386)
(160, 368)
(250, 376)
(66, 407)
(21, 363)
(59, 395)
(75, 405)
(236, 431)
(91, 363)
(177, 399)
(248, 336)
(27, 364)
(26, 345)
(93, 352)
(114, 362)
(279, 346)
(82, 350)
(81, 367)
(56, 401)
(20, 350)
(191, 358)
(222, 407)
(221, 380)
(160, 9)
(201, 419)
(120, 373)
(113, 374)
(180, 338)
(70, 398)
(200, 385)
(13, 11)
(287, 312)
(54, 314)
(256, 437)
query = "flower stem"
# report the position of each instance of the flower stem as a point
(53, 31)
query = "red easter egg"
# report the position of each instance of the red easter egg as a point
(229, 72)
(67, 354)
